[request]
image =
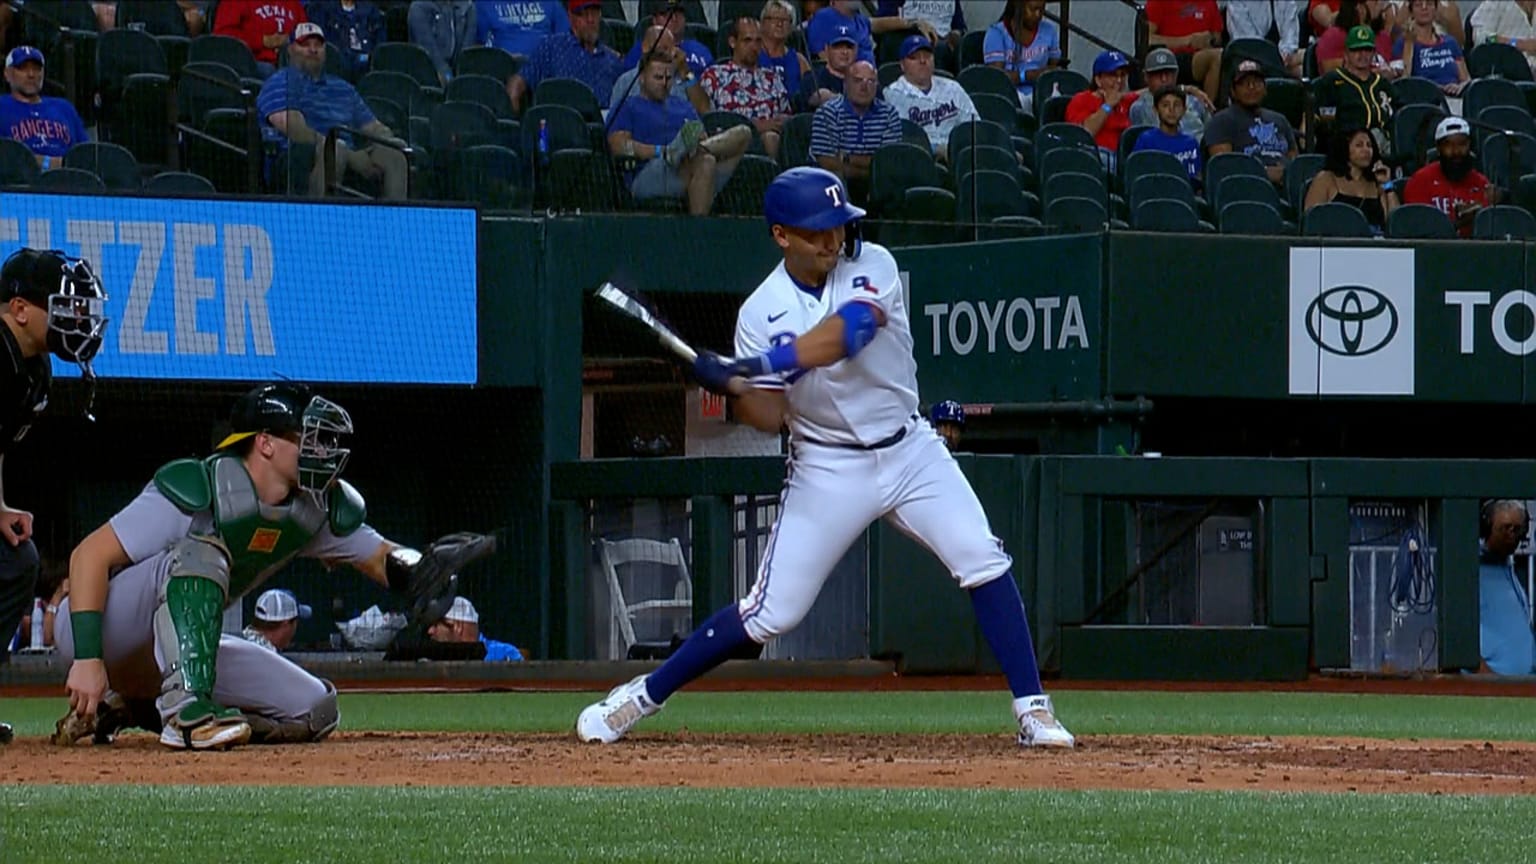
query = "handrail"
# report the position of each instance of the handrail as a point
(253, 146)
(333, 182)
(1065, 20)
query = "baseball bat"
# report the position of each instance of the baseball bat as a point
(627, 305)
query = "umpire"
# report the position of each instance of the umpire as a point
(52, 303)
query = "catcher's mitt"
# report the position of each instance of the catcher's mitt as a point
(430, 580)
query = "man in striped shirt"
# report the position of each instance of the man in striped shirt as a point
(577, 54)
(848, 129)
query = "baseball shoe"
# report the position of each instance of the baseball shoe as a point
(1038, 726)
(112, 716)
(6, 733)
(611, 719)
(204, 725)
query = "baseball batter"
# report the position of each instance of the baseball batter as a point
(824, 346)
(202, 534)
(50, 303)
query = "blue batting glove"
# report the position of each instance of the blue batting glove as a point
(714, 372)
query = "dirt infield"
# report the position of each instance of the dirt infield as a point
(688, 760)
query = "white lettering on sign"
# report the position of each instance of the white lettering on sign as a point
(1018, 320)
(1502, 328)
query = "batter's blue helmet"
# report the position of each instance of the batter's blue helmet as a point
(948, 411)
(812, 198)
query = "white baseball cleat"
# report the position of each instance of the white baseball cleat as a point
(611, 719)
(1038, 726)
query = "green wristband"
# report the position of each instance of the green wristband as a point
(87, 629)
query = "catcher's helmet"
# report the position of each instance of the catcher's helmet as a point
(812, 198)
(948, 411)
(68, 289)
(290, 408)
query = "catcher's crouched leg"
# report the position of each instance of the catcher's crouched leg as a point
(321, 720)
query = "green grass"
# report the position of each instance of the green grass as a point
(1084, 712)
(369, 826)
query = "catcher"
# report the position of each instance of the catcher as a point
(200, 536)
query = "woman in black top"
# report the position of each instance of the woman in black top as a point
(1355, 175)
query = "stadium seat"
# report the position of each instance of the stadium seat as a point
(482, 90)
(1504, 167)
(210, 48)
(405, 58)
(196, 94)
(571, 93)
(1146, 162)
(1413, 132)
(896, 168)
(397, 87)
(1002, 110)
(982, 158)
(1335, 220)
(144, 118)
(178, 183)
(1149, 187)
(585, 181)
(1414, 90)
(795, 146)
(1504, 222)
(461, 125)
(1076, 215)
(1052, 136)
(489, 175)
(913, 133)
(1497, 60)
(716, 122)
(1127, 146)
(116, 167)
(1245, 187)
(491, 62)
(566, 132)
(1010, 227)
(389, 112)
(987, 195)
(1419, 222)
(925, 218)
(1261, 51)
(977, 132)
(1060, 83)
(888, 73)
(68, 180)
(1483, 93)
(1287, 96)
(120, 53)
(155, 17)
(18, 166)
(1224, 165)
(987, 79)
(743, 194)
(972, 48)
(1298, 176)
(1251, 217)
(1071, 159)
(1165, 214)
(224, 160)
(1054, 110)
(1071, 184)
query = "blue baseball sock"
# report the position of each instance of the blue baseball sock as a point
(1000, 612)
(708, 647)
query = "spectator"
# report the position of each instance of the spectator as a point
(352, 27)
(1162, 70)
(945, 17)
(518, 26)
(937, 104)
(1427, 53)
(1355, 175)
(1278, 21)
(462, 624)
(48, 125)
(1170, 136)
(1321, 14)
(778, 20)
(846, 131)
(1452, 184)
(1023, 44)
(301, 104)
(664, 133)
(1192, 30)
(442, 28)
(196, 14)
(839, 14)
(1512, 22)
(106, 15)
(948, 419)
(669, 14)
(1508, 646)
(276, 621)
(683, 84)
(263, 25)
(828, 80)
(1335, 43)
(1354, 95)
(1246, 126)
(741, 85)
(578, 54)
(1448, 20)
(1106, 110)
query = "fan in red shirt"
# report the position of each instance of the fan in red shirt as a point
(1105, 111)
(1452, 185)
(263, 25)
(1192, 30)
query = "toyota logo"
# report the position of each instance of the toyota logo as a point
(1352, 320)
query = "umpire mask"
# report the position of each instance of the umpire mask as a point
(322, 450)
(77, 316)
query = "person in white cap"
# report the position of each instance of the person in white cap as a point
(1452, 184)
(277, 619)
(462, 624)
(48, 125)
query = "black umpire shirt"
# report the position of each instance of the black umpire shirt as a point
(24, 383)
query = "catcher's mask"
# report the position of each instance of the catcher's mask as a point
(322, 450)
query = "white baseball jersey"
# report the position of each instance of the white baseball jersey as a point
(943, 107)
(857, 400)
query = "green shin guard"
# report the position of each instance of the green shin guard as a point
(196, 606)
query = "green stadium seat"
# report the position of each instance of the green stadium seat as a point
(1419, 222)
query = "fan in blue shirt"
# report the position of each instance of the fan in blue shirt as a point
(462, 624)
(1169, 102)
(518, 26)
(49, 126)
(352, 27)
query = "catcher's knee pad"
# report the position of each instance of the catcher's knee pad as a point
(315, 724)
(203, 557)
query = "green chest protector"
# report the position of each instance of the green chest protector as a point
(258, 537)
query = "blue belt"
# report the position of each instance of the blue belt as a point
(883, 443)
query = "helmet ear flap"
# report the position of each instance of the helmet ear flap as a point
(853, 240)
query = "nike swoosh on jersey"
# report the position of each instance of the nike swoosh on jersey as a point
(773, 318)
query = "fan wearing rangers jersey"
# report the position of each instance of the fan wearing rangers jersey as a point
(935, 103)
(824, 347)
